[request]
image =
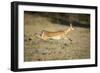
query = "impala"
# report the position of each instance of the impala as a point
(56, 35)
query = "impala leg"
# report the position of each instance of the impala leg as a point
(68, 39)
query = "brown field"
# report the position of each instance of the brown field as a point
(36, 49)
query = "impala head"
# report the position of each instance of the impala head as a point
(71, 28)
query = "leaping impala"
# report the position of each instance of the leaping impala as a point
(56, 35)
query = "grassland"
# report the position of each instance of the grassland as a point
(36, 49)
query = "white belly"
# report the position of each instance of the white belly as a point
(55, 37)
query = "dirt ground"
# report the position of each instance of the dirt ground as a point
(36, 49)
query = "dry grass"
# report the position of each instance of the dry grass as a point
(38, 50)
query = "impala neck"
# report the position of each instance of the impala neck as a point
(69, 29)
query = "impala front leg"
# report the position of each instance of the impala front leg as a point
(68, 39)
